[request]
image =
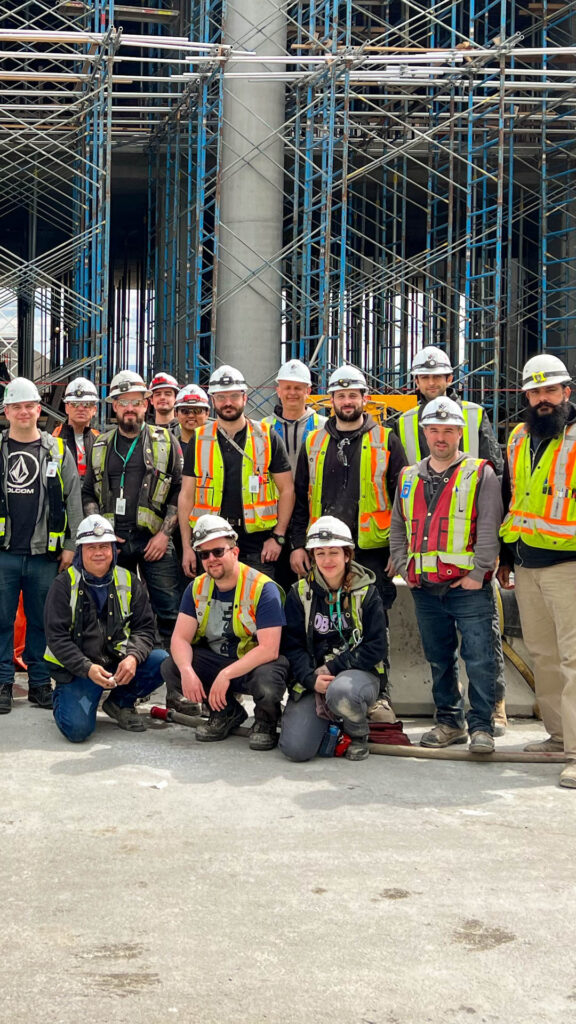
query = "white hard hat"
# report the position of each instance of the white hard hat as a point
(21, 390)
(542, 370)
(329, 532)
(347, 377)
(95, 529)
(209, 527)
(192, 395)
(164, 380)
(442, 412)
(79, 390)
(226, 378)
(124, 382)
(294, 370)
(431, 361)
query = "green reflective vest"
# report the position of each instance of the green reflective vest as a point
(122, 582)
(156, 482)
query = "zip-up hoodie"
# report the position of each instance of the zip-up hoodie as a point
(323, 643)
(294, 432)
(340, 481)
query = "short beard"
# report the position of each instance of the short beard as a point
(230, 417)
(549, 424)
(349, 417)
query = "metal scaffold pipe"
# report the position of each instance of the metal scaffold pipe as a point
(248, 327)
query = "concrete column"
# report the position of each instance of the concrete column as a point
(252, 185)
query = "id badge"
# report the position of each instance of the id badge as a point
(120, 506)
(254, 484)
(51, 469)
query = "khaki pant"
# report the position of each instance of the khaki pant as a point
(546, 599)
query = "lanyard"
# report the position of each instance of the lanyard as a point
(126, 460)
(242, 451)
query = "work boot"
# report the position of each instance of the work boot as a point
(263, 736)
(41, 696)
(357, 749)
(178, 702)
(5, 699)
(499, 719)
(481, 742)
(547, 746)
(127, 718)
(444, 735)
(568, 776)
(221, 723)
(382, 711)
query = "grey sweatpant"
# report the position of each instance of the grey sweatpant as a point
(347, 698)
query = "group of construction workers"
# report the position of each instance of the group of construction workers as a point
(222, 555)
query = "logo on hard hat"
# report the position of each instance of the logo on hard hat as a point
(539, 377)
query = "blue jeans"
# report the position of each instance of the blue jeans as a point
(33, 575)
(471, 613)
(76, 703)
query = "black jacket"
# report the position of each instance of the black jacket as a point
(97, 638)
(306, 650)
(66, 432)
(340, 484)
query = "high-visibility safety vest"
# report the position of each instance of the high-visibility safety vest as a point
(356, 598)
(441, 536)
(260, 510)
(248, 591)
(375, 508)
(408, 431)
(543, 505)
(57, 515)
(156, 482)
(121, 590)
(312, 423)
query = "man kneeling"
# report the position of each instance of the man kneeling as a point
(227, 639)
(100, 633)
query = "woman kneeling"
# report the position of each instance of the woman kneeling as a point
(335, 640)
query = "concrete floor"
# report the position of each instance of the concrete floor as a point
(150, 879)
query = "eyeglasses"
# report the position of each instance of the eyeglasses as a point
(83, 405)
(216, 552)
(125, 403)
(190, 412)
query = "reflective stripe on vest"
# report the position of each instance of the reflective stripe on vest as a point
(122, 581)
(408, 431)
(248, 590)
(260, 510)
(543, 505)
(441, 545)
(312, 423)
(150, 515)
(374, 510)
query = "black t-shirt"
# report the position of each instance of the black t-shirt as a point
(233, 459)
(23, 491)
(135, 469)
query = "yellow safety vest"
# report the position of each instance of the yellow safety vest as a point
(156, 482)
(260, 510)
(246, 596)
(122, 581)
(441, 543)
(543, 505)
(375, 508)
(408, 431)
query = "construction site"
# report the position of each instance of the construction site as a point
(186, 184)
(194, 184)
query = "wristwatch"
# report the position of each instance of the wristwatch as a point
(279, 538)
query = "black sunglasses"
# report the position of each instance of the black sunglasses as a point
(217, 552)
